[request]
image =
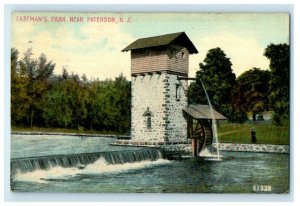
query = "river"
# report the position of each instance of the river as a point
(52, 163)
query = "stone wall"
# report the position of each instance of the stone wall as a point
(254, 148)
(162, 97)
(148, 92)
(175, 120)
(185, 148)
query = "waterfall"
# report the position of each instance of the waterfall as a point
(81, 160)
(214, 125)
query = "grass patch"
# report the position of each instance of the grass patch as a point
(266, 133)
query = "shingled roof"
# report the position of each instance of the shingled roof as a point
(202, 112)
(180, 39)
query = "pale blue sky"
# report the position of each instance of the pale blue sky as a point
(95, 48)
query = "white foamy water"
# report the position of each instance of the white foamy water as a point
(206, 153)
(41, 176)
(98, 167)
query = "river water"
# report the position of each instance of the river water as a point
(50, 163)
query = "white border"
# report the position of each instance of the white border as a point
(214, 6)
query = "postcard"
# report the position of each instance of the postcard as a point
(150, 102)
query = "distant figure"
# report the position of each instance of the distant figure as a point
(253, 136)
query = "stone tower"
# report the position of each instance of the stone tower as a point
(158, 97)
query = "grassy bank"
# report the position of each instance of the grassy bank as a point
(266, 133)
(60, 130)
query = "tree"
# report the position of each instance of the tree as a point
(279, 56)
(123, 102)
(217, 76)
(56, 110)
(19, 96)
(239, 112)
(252, 91)
(35, 73)
(41, 98)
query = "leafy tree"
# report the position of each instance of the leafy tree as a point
(123, 103)
(94, 106)
(279, 56)
(19, 96)
(56, 110)
(239, 112)
(40, 98)
(217, 76)
(252, 91)
(35, 73)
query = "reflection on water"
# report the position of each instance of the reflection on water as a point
(237, 173)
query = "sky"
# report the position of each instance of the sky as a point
(91, 43)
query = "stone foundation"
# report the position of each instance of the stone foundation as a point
(185, 148)
(253, 148)
(158, 144)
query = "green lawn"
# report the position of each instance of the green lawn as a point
(266, 133)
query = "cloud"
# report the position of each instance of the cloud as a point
(244, 52)
(93, 49)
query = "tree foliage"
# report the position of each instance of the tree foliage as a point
(279, 56)
(19, 97)
(29, 83)
(217, 76)
(41, 98)
(251, 93)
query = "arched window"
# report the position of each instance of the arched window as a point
(148, 116)
(148, 122)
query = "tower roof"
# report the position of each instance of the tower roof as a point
(180, 39)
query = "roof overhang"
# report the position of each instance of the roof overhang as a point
(180, 39)
(203, 112)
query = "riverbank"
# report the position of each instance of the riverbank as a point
(70, 134)
(60, 130)
(63, 131)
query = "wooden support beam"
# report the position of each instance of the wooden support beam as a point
(185, 78)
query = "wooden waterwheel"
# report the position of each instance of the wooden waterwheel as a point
(199, 126)
(200, 132)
